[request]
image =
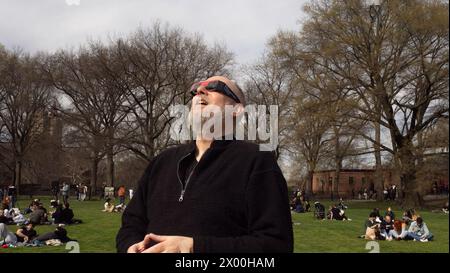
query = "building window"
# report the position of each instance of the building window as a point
(351, 181)
(363, 181)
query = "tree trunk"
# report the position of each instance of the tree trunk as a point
(337, 163)
(309, 183)
(379, 185)
(18, 174)
(110, 157)
(412, 198)
(93, 182)
(336, 179)
(407, 164)
(110, 167)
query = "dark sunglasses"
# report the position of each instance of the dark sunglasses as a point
(214, 86)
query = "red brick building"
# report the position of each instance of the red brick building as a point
(351, 181)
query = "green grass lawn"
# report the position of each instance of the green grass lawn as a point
(98, 230)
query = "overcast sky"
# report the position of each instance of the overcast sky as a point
(243, 25)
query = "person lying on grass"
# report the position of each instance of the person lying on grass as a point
(26, 233)
(60, 233)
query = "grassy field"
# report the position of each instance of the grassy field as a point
(98, 230)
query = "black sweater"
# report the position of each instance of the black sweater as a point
(236, 200)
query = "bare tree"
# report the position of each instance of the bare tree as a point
(267, 83)
(96, 105)
(23, 100)
(401, 70)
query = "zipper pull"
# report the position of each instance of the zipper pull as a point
(181, 196)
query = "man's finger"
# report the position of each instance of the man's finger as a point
(147, 239)
(141, 246)
(159, 248)
(133, 249)
(157, 238)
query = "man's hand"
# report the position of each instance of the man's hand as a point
(169, 244)
(165, 244)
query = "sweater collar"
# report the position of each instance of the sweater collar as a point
(217, 144)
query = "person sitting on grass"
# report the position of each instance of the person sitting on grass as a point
(67, 215)
(109, 205)
(408, 216)
(26, 233)
(29, 209)
(3, 218)
(8, 213)
(372, 228)
(292, 203)
(307, 206)
(5, 202)
(120, 208)
(400, 230)
(299, 206)
(57, 214)
(19, 218)
(319, 210)
(418, 231)
(330, 213)
(390, 213)
(39, 215)
(378, 217)
(369, 223)
(337, 214)
(386, 228)
(445, 208)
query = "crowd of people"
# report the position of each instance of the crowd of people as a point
(59, 214)
(63, 191)
(335, 212)
(26, 235)
(35, 214)
(108, 194)
(410, 226)
(389, 193)
(300, 204)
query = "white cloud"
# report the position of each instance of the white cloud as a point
(244, 25)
